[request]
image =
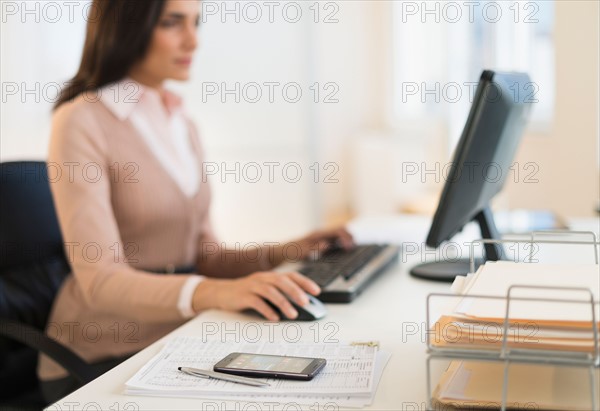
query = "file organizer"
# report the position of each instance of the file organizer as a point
(505, 354)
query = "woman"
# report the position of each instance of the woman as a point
(132, 206)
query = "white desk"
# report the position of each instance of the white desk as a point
(391, 310)
(393, 301)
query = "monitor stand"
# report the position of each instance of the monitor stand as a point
(445, 271)
(448, 270)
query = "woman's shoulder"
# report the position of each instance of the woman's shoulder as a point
(80, 108)
(78, 123)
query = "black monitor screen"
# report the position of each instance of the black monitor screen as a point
(484, 155)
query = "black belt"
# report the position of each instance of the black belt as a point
(171, 269)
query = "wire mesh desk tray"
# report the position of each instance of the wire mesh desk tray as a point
(509, 338)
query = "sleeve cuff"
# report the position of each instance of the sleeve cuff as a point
(186, 295)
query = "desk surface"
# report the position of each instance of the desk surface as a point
(391, 310)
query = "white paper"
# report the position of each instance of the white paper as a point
(311, 402)
(496, 279)
(350, 369)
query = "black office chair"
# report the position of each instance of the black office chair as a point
(33, 266)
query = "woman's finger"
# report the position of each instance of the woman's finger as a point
(258, 304)
(339, 235)
(305, 283)
(292, 290)
(316, 250)
(271, 293)
(345, 238)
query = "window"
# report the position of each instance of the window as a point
(441, 47)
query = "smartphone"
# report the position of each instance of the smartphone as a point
(270, 366)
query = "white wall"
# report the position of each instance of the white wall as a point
(567, 155)
(273, 130)
(38, 54)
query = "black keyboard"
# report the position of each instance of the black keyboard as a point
(339, 262)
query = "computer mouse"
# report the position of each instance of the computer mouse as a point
(314, 310)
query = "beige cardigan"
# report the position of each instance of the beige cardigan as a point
(121, 213)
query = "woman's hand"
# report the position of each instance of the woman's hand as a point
(318, 241)
(250, 292)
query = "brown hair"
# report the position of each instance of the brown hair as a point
(117, 36)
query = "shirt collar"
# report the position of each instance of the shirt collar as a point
(124, 96)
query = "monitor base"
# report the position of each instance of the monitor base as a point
(444, 271)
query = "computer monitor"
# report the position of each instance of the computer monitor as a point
(482, 161)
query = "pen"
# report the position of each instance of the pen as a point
(221, 376)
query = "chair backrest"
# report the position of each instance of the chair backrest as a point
(29, 229)
(33, 264)
(32, 267)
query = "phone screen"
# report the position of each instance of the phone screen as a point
(270, 366)
(270, 363)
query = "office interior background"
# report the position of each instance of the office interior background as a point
(365, 99)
